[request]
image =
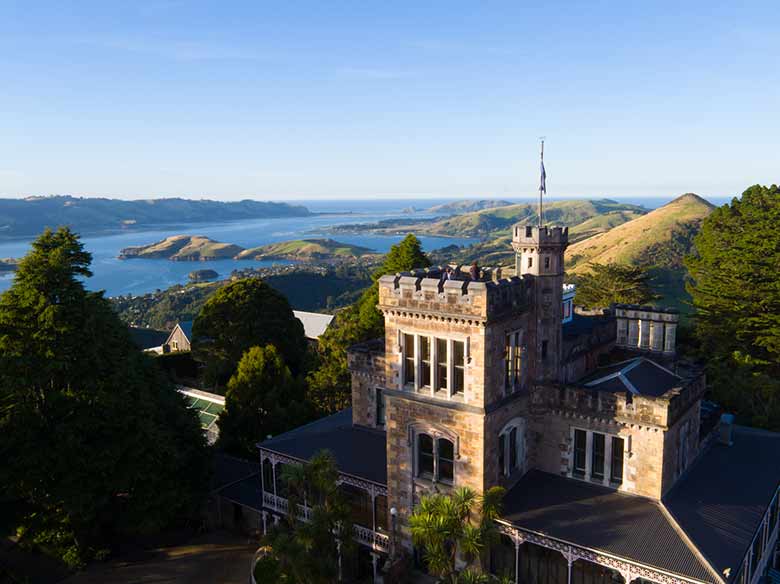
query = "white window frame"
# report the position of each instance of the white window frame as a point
(435, 436)
(607, 479)
(519, 425)
(434, 388)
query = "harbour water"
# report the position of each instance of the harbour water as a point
(138, 276)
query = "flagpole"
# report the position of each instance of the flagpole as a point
(542, 187)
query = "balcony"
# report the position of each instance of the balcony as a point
(377, 541)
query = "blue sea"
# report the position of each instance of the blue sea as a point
(139, 276)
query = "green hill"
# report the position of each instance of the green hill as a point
(183, 248)
(467, 206)
(661, 237)
(304, 249)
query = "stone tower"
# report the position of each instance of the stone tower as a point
(539, 260)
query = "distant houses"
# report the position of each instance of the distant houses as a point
(162, 342)
(180, 338)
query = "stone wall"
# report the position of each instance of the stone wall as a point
(366, 363)
(406, 416)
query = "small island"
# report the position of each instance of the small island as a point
(8, 265)
(203, 275)
(193, 248)
(183, 248)
(305, 250)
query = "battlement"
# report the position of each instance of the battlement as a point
(530, 235)
(426, 291)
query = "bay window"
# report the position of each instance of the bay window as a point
(433, 364)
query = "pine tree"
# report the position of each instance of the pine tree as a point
(96, 443)
(613, 283)
(736, 291)
(262, 398)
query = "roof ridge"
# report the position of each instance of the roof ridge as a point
(689, 542)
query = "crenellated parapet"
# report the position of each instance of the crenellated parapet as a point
(426, 293)
(526, 236)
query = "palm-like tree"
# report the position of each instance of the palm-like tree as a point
(461, 525)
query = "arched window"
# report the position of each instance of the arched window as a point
(435, 458)
(511, 448)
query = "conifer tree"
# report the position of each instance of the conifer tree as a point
(96, 444)
(736, 291)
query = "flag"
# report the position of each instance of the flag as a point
(543, 185)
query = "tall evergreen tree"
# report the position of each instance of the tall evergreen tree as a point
(262, 398)
(736, 291)
(329, 383)
(613, 283)
(96, 443)
(243, 314)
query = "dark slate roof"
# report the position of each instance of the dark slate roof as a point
(146, 338)
(720, 501)
(228, 470)
(246, 492)
(599, 518)
(638, 376)
(581, 324)
(186, 328)
(359, 451)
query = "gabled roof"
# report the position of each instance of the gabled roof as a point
(146, 338)
(720, 501)
(186, 328)
(314, 323)
(596, 517)
(359, 451)
(638, 376)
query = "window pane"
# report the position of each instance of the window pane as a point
(518, 360)
(268, 476)
(409, 358)
(441, 363)
(512, 449)
(446, 460)
(380, 512)
(580, 442)
(597, 461)
(501, 454)
(425, 361)
(380, 407)
(507, 361)
(424, 455)
(616, 470)
(459, 361)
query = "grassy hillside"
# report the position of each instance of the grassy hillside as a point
(304, 249)
(183, 248)
(467, 206)
(660, 237)
(497, 222)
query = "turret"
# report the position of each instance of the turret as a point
(539, 259)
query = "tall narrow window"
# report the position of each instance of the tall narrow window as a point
(508, 381)
(446, 460)
(530, 261)
(544, 349)
(528, 231)
(518, 364)
(409, 359)
(425, 361)
(547, 262)
(268, 476)
(580, 451)
(512, 450)
(424, 456)
(441, 363)
(380, 407)
(616, 464)
(501, 455)
(459, 365)
(380, 512)
(597, 456)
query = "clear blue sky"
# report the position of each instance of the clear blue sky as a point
(354, 99)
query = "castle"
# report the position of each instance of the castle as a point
(616, 469)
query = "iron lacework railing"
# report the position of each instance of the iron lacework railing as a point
(377, 541)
